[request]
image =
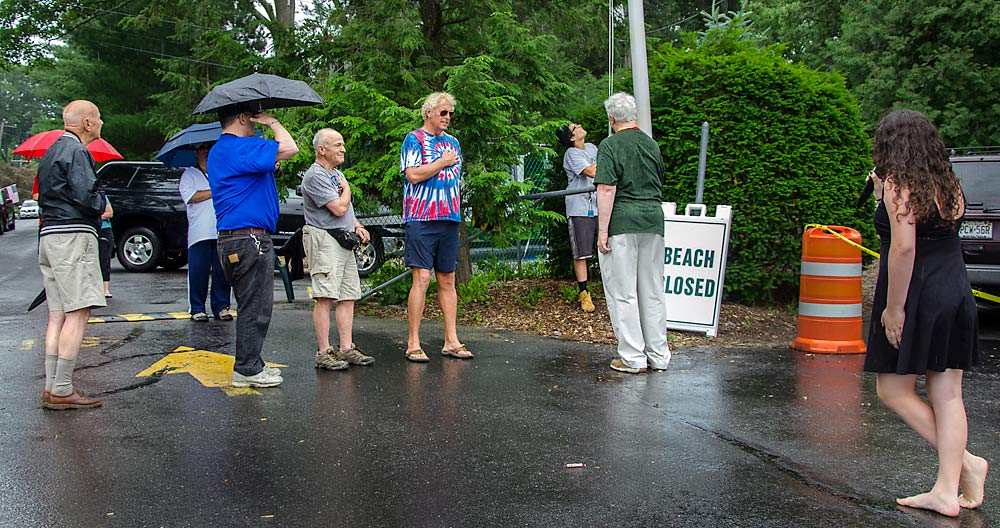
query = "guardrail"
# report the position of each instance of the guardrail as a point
(535, 197)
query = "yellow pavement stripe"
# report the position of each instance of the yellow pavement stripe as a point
(27, 344)
(211, 369)
(975, 292)
(137, 317)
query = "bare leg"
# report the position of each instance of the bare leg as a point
(899, 394)
(345, 324)
(415, 306)
(448, 300)
(321, 322)
(580, 269)
(71, 333)
(52, 331)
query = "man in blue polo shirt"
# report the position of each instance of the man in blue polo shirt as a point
(246, 209)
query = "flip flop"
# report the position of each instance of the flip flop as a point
(459, 353)
(417, 356)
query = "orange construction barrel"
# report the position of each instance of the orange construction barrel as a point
(830, 293)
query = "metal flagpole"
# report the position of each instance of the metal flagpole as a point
(640, 73)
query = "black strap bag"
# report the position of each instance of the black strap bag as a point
(346, 239)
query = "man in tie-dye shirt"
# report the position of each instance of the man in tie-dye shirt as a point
(431, 165)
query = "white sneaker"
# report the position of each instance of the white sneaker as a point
(274, 371)
(264, 378)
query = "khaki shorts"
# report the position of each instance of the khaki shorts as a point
(71, 271)
(333, 269)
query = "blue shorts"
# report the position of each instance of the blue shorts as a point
(432, 245)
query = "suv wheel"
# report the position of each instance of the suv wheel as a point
(370, 256)
(139, 249)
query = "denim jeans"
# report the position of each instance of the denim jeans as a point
(248, 261)
(203, 262)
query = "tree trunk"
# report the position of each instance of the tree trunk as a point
(464, 272)
(284, 13)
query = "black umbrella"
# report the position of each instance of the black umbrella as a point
(258, 92)
(39, 299)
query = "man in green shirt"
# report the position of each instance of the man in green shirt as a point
(629, 180)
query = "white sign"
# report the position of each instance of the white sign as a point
(695, 248)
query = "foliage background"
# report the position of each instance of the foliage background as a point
(792, 88)
(787, 148)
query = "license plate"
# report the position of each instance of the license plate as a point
(976, 230)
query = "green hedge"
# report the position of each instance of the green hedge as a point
(786, 147)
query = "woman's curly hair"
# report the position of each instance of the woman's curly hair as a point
(909, 152)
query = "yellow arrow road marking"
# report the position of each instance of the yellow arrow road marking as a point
(211, 369)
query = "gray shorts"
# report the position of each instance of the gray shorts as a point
(582, 236)
(333, 269)
(71, 271)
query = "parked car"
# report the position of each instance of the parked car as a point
(29, 209)
(979, 172)
(7, 216)
(150, 220)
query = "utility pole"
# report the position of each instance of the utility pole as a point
(3, 125)
(640, 72)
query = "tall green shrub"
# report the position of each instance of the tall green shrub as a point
(786, 148)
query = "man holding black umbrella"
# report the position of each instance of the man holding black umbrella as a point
(245, 196)
(71, 208)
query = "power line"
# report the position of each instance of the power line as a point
(114, 11)
(169, 56)
(85, 21)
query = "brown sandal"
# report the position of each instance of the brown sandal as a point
(417, 356)
(460, 353)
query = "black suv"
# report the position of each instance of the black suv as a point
(150, 220)
(979, 172)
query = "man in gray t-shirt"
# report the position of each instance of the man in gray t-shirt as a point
(326, 198)
(580, 164)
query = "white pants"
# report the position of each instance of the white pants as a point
(632, 273)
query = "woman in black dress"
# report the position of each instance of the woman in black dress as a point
(923, 316)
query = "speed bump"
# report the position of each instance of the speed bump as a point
(135, 318)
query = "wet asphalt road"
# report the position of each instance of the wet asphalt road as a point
(724, 438)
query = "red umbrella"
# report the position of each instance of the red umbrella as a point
(102, 151)
(35, 147)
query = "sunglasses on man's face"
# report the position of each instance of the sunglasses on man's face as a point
(447, 113)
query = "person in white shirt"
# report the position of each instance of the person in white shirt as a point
(203, 255)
